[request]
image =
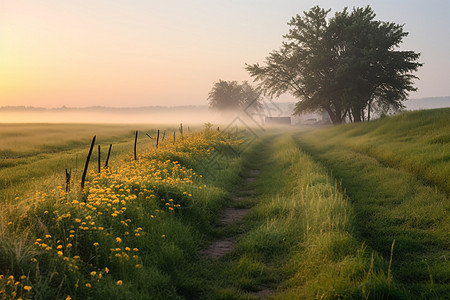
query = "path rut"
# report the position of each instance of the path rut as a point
(228, 216)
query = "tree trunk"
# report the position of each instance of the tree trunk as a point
(356, 115)
(332, 115)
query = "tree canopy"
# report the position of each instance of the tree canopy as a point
(234, 96)
(345, 65)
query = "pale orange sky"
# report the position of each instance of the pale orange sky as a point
(142, 53)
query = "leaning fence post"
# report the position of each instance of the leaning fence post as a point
(83, 178)
(135, 142)
(107, 157)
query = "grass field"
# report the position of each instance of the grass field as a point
(355, 211)
(124, 236)
(32, 153)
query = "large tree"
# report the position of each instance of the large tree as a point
(343, 65)
(234, 96)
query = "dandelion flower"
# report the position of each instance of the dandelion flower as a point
(118, 240)
(119, 282)
(27, 288)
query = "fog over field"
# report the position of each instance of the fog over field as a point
(160, 115)
(195, 114)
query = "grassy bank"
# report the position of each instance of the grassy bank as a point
(396, 173)
(416, 142)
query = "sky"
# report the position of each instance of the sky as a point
(127, 53)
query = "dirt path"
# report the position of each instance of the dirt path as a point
(231, 215)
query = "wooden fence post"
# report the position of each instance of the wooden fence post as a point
(157, 139)
(107, 157)
(83, 178)
(135, 143)
(99, 159)
(68, 175)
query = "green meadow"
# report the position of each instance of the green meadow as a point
(355, 211)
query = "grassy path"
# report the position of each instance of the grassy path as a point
(298, 239)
